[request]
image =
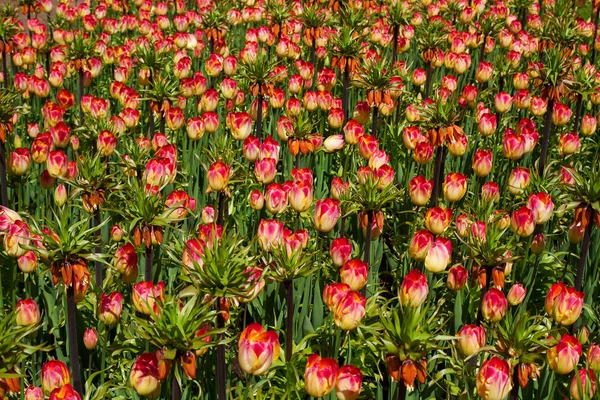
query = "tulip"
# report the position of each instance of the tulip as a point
(411, 136)
(56, 163)
(348, 383)
(257, 348)
(455, 187)
(423, 153)
(65, 393)
(513, 146)
(522, 222)
(439, 255)
(145, 295)
(414, 289)
(588, 125)
(327, 213)
(218, 176)
(564, 357)
(593, 357)
(301, 196)
(564, 304)
(16, 237)
(265, 170)
(470, 339)
(335, 118)
(561, 113)
(583, 385)
(340, 251)
(438, 219)
(419, 76)
(27, 312)
(19, 161)
(484, 72)
(420, 190)
(462, 225)
(320, 375)
(487, 124)
(334, 293)
(256, 200)
(195, 128)
(482, 163)
(276, 198)
(125, 258)
(240, 124)
(349, 311)
(28, 262)
(568, 143)
(270, 234)
(110, 307)
(494, 379)
(333, 143)
(518, 180)
(34, 393)
(367, 145)
(457, 278)
(145, 376)
(541, 206)
(493, 305)
(503, 102)
(55, 374)
(106, 143)
(538, 106)
(90, 338)
(355, 273)
(516, 294)
(420, 244)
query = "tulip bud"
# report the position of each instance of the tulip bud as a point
(218, 176)
(564, 304)
(455, 187)
(516, 294)
(55, 374)
(333, 143)
(145, 295)
(350, 311)
(60, 195)
(420, 190)
(503, 102)
(487, 124)
(355, 273)
(493, 305)
(522, 222)
(593, 357)
(494, 379)
(327, 213)
(538, 244)
(28, 262)
(348, 383)
(439, 255)
(19, 161)
(470, 339)
(270, 234)
(90, 338)
(56, 164)
(257, 349)
(583, 385)
(457, 278)
(588, 125)
(109, 308)
(65, 393)
(341, 251)
(27, 312)
(145, 376)
(564, 357)
(482, 163)
(438, 219)
(420, 244)
(320, 375)
(301, 196)
(34, 393)
(414, 289)
(518, 180)
(265, 170)
(561, 113)
(256, 200)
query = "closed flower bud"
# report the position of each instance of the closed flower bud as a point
(568, 143)
(420, 244)
(455, 186)
(349, 383)
(265, 170)
(256, 200)
(218, 176)
(90, 338)
(564, 357)
(541, 206)
(333, 143)
(516, 294)
(583, 385)
(414, 289)
(355, 273)
(470, 339)
(457, 278)
(420, 189)
(320, 375)
(593, 357)
(522, 222)
(28, 262)
(439, 255)
(588, 125)
(482, 163)
(34, 393)
(55, 374)
(561, 113)
(19, 161)
(438, 219)
(518, 180)
(109, 308)
(341, 251)
(60, 195)
(349, 311)
(487, 124)
(144, 377)
(257, 349)
(270, 234)
(56, 164)
(334, 293)
(493, 305)
(145, 295)
(27, 312)
(125, 258)
(494, 379)
(503, 102)
(327, 213)
(564, 304)
(301, 196)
